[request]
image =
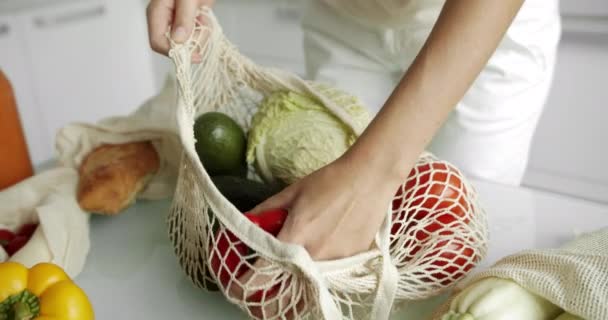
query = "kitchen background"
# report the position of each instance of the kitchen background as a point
(83, 60)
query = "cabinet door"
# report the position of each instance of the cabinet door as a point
(14, 63)
(585, 8)
(90, 60)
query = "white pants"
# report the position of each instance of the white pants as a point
(489, 133)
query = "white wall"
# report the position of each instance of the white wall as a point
(570, 148)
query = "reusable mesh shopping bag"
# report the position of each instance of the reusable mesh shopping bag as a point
(573, 277)
(433, 235)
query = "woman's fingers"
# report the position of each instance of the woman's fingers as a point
(268, 292)
(257, 276)
(160, 15)
(183, 24)
(179, 16)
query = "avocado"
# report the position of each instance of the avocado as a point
(243, 193)
(220, 144)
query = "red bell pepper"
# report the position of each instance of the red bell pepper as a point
(228, 253)
(15, 245)
(226, 256)
(13, 242)
(27, 230)
(6, 236)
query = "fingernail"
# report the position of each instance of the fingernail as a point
(179, 35)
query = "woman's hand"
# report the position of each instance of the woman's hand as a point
(175, 15)
(336, 211)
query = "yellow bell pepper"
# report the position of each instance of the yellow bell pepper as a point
(44, 292)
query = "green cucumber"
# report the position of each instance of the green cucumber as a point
(244, 194)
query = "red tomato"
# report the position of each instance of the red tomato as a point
(430, 188)
(6, 236)
(451, 260)
(433, 202)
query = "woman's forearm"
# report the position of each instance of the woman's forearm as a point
(464, 37)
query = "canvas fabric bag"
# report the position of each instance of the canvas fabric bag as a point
(573, 277)
(48, 199)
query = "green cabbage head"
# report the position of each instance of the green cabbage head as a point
(293, 135)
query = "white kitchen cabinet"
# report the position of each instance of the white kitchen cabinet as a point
(86, 60)
(15, 65)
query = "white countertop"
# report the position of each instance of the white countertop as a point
(132, 273)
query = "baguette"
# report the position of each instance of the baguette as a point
(111, 176)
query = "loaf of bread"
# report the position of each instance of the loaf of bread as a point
(111, 176)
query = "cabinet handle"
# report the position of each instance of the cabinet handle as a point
(69, 17)
(5, 29)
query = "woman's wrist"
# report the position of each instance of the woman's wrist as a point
(376, 166)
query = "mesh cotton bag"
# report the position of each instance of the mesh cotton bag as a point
(573, 277)
(434, 234)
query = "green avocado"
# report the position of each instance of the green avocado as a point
(220, 144)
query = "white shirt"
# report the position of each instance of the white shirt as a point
(387, 13)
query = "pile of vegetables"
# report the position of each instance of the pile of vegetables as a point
(221, 146)
(291, 136)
